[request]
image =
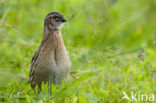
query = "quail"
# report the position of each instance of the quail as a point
(50, 64)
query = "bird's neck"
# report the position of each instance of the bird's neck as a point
(50, 31)
(52, 38)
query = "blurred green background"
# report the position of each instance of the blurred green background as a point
(111, 44)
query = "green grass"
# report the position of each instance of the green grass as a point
(104, 40)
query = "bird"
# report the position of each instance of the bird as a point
(51, 63)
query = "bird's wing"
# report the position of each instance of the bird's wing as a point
(32, 69)
(34, 60)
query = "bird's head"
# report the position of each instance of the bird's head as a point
(54, 20)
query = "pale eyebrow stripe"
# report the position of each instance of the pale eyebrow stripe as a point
(48, 16)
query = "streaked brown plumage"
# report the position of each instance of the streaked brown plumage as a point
(51, 62)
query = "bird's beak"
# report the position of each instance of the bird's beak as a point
(63, 20)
